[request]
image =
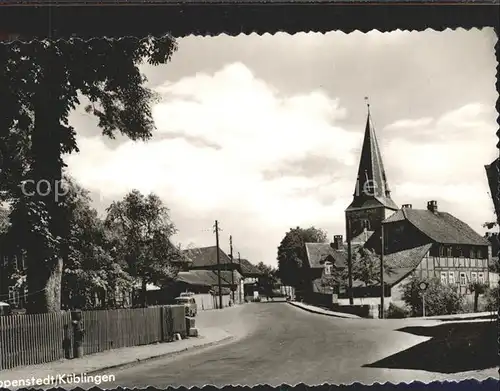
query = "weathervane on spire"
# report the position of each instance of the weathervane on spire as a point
(367, 104)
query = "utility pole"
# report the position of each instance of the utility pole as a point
(232, 270)
(216, 228)
(382, 273)
(239, 287)
(349, 260)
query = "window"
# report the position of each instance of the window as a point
(473, 276)
(479, 253)
(460, 252)
(442, 251)
(472, 253)
(481, 278)
(449, 251)
(328, 268)
(451, 277)
(365, 224)
(443, 278)
(463, 278)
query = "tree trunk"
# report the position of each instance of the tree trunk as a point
(46, 263)
(44, 286)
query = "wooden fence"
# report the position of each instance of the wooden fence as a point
(42, 338)
(207, 301)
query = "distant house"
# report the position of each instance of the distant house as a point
(322, 260)
(250, 278)
(203, 283)
(205, 259)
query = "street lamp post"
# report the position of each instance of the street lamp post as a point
(423, 287)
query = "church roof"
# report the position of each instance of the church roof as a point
(441, 227)
(372, 188)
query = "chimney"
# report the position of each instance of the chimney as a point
(337, 242)
(432, 206)
(406, 206)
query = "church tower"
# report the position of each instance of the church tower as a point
(372, 202)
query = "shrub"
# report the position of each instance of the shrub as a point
(492, 299)
(396, 312)
(440, 299)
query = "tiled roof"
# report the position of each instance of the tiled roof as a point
(206, 256)
(371, 185)
(441, 227)
(404, 262)
(318, 252)
(247, 268)
(401, 265)
(362, 237)
(204, 277)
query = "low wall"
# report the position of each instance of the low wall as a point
(364, 311)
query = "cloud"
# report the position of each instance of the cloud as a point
(253, 129)
(410, 123)
(233, 147)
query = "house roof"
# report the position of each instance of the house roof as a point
(317, 253)
(248, 268)
(206, 256)
(401, 265)
(204, 277)
(362, 237)
(372, 186)
(441, 227)
(404, 262)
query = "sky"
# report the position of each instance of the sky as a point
(263, 133)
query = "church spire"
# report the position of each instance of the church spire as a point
(372, 181)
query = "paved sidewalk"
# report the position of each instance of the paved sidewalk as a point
(112, 359)
(322, 311)
(471, 316)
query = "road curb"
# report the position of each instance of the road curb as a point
(163, 355)
(334, 315)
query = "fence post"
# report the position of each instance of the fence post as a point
(76, 320)
(67, 342)
(162, 323)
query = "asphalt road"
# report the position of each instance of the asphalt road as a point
(277, 343)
